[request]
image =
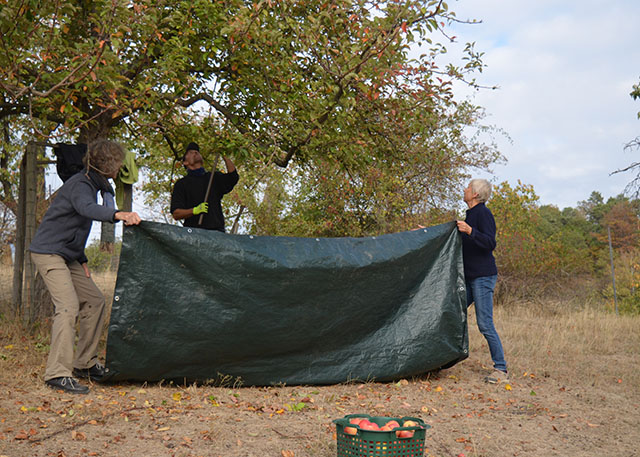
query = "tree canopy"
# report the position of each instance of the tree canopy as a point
(311, 87)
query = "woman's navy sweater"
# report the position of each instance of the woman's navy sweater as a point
(477, 248)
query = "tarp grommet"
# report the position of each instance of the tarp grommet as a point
(116, 298)
(189, 230)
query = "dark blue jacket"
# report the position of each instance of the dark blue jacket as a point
(65, 228)
(477, 248)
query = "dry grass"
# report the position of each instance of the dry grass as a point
(565, 342)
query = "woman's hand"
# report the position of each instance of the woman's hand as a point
(129, 218)
(464, 227)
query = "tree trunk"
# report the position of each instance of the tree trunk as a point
(107, 236)
(18, 262)
(31, 196)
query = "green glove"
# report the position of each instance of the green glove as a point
(201, 208)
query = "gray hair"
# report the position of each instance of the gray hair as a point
(482, 187)
(104, 156)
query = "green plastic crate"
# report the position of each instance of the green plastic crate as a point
(369, 443)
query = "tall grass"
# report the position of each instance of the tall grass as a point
(561, 340)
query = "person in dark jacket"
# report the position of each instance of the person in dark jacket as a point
(57, 250)
(188, 196)
(478, 242)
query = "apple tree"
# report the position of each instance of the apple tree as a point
(320, 103)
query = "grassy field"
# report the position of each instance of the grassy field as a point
(574, 390)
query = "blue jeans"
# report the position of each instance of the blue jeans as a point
(480, 291)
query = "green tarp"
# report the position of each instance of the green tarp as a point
(197, 305)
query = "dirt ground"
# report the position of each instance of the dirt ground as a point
(534, 415)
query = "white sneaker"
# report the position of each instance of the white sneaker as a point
(497, 377)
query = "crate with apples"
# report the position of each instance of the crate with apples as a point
(361, 435)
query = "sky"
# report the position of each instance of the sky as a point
(565, 70)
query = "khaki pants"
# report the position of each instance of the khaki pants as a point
(76, 299)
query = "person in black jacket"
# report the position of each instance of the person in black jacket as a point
(57, 250)
(188, 196)
(478, 242)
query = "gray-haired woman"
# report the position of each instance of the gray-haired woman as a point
(478, 242)
(57, 251)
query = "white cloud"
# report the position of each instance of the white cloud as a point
(565, 74)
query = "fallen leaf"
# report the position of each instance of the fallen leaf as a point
(78, 436)
(507, 387)
(593, 425)
(287, 453)
(163, 429)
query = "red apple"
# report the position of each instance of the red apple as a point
(409, 423)
(386, 428)
(350, 430)
(356, 420)
(392, 424)
(404, 433)
(367, 425)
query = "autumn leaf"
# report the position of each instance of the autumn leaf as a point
(287, 453)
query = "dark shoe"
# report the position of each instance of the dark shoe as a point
(67, 384)
(95, 373)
